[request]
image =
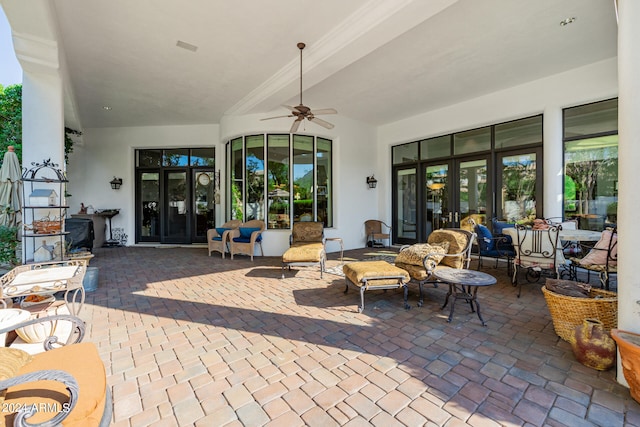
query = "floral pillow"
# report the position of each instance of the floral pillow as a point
(540, 224)
(414, 254)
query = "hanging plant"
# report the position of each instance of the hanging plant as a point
(68, 142)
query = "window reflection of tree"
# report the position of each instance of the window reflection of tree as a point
(519, 186)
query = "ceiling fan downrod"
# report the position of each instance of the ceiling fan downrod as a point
(301, 46)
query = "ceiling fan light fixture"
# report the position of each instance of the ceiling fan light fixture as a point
(567, 21)
(301, 112)
(186, 46)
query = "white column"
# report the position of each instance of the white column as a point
(42, 102)
(553, 178)
(42, 119)
(629, 161)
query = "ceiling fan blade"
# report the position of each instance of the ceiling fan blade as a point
(295, 125)
(321, 122)
(325, 111)
(277, 117)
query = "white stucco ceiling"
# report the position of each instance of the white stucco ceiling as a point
(373, 60)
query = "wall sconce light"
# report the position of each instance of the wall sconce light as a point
(372, 181)
(116, 183)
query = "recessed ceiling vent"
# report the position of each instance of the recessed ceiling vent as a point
(187, 46)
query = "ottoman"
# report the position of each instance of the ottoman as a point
(374, 275)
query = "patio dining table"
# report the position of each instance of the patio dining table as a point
(579, 235)
(46, 279)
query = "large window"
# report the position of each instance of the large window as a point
(591, 164)
(278, 191)
(492, 171)
(280, 179)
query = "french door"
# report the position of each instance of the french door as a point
(455, 192)
(175, 205)
(177, 227)
(440, 194)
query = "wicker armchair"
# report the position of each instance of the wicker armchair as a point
(374, 230)
(245, 238)
(65, 385)
(218, 238)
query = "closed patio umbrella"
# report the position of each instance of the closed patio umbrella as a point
(10, 190)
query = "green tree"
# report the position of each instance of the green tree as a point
(11, 118)
(11, 122)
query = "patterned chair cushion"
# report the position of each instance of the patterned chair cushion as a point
(307, 232)
(358, 271)
(414, 254)
(303, 252)
(12, 360)
(457, 243)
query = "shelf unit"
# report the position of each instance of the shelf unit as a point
(43, 176)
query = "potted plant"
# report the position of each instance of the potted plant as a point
(629, 348)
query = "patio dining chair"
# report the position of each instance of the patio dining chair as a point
(499, 247)
(218, 238)
(601, 258)
(537, 250)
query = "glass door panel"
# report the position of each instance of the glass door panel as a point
(149, 213)
(204, 209)
(437, 197)
(472, 193)
(517, 186)
(177, 208)
(406, 220)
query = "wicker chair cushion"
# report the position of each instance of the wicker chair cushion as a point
(304, 252)
(220, 231)
(414, 254)
(12, 360)
(80, 360)
(598, 255)
(457, 243)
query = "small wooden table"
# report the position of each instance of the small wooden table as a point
(463, 284)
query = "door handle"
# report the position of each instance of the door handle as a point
(456, 217)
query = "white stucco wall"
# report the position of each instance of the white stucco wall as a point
(108, 152)
(591, 83)
(359, 149)
(354, 159)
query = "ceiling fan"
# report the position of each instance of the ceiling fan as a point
(301, 112)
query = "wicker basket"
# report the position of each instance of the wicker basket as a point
(47, 225)
(569, 312)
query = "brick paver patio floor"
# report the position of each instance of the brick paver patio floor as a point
(189, 339)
